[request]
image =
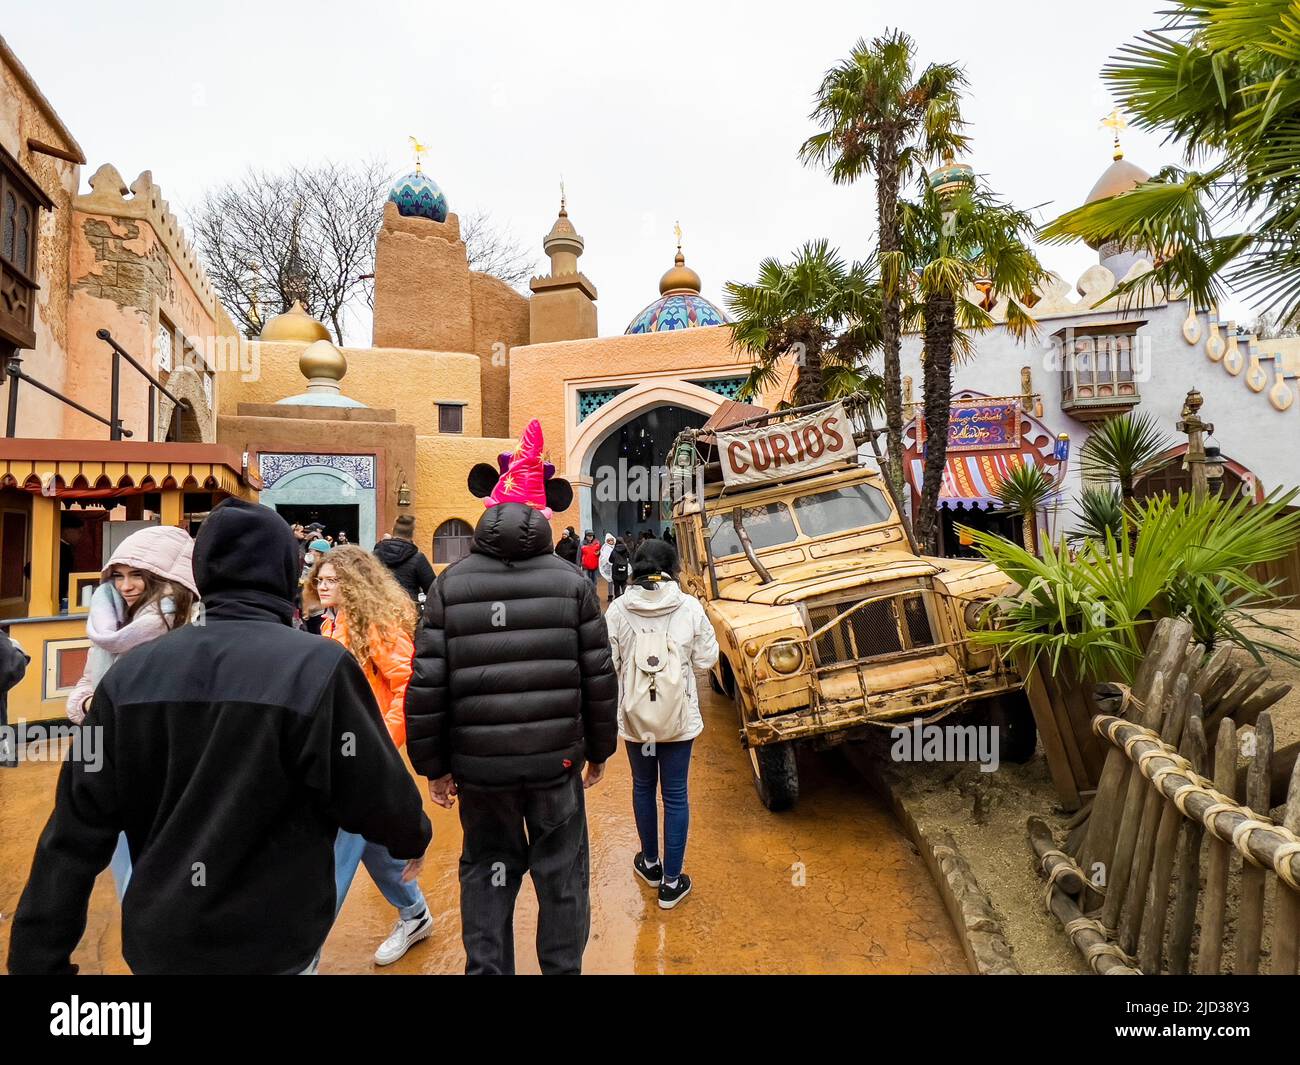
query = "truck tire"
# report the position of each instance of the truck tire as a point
(776, 775)
(716, 684)
(1010, 714)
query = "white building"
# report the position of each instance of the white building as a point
(1091, 362)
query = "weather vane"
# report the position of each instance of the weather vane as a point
(420, 151)
(677, 229)
(563, 202)
(1116, 122)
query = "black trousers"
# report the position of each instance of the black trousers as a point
(542, 831)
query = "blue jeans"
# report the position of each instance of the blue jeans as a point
(350, 850)
(668, 765)
(120, 866)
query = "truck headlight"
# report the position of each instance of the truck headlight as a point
(785, 657)
(973, 613)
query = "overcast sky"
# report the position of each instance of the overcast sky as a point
(651, 114)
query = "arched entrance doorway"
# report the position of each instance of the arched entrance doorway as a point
(336, 490)
(614, 485)
(625, 485)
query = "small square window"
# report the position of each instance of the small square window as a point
(451, 418)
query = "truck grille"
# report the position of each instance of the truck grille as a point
(887, 626)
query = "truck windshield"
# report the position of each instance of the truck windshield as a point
(841, 509)
(768, 525)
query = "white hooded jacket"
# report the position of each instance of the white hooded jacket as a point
(660, 607)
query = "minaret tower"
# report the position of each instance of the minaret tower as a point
(563, 306)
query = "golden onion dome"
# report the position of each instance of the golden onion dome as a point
(1118, 178)
(681, 278)
(322, 360)
(294, 326)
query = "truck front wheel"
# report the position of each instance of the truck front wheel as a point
(1010, 714)
(776, 775)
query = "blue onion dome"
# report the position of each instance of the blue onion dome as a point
(417, 196)
(680, 305)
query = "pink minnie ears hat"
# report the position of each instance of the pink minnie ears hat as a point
(525, 477)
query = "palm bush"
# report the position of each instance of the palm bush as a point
(1124, 449)
(1101, 513)
(1025, 491)
(1188, 558)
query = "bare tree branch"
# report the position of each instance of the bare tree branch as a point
(268, 238)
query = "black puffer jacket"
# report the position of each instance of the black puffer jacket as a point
(513, 683)
(407, 563)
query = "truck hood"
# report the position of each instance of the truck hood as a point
(810, 579)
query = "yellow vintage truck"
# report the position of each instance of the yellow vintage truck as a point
(828, 619)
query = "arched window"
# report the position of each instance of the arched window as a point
(451, 541)
(10, 225)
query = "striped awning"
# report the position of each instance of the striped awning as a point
(970, 479)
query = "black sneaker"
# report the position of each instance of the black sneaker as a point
(651, 874)
(671, 896)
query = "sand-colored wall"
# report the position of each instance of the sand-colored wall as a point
(501, 322)
(561, 314)
(440, 489)
(23, 116)
(422, 285)
(410, 382)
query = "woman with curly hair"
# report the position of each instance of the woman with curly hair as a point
(367, 611)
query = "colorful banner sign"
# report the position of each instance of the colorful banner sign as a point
(770, 452)
(980, 425)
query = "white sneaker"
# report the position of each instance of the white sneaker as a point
(404, 936)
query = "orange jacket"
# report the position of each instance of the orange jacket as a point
(388, 669)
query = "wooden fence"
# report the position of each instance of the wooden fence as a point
(1175, 865)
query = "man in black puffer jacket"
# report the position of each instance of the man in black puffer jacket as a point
(235, 751)
(404, 560)
(513, 691)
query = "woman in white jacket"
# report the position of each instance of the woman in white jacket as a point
(654, 603)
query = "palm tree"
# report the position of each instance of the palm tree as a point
(1100, 514)
(1221, 80)
(1124, 449)
(817, 307)
(1025, 491)
(965, 250)
(879, 117)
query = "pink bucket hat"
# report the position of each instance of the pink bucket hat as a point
(163, 550)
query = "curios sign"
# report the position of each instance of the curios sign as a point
(770, 452)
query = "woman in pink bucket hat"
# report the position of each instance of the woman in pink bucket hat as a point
(147, 590)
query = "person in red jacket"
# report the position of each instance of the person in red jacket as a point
(590, 555)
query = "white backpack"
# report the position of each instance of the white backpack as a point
(655, 702)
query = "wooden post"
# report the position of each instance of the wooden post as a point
(1189, 861)
(1250, 912)
(1151, 940)
(1153, 802)
(1210, 955)
(1286, 904)
(44, 601)
(1121, 864)
(1058, 764)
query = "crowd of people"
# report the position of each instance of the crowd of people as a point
(256, 684)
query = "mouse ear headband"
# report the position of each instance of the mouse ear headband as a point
(523, 477)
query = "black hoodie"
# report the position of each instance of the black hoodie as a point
(513, 684)
(407, 564)
(234, 750)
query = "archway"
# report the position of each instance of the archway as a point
(610, 492)
(337, 490)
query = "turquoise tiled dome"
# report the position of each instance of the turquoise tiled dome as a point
(681, 310)
(417, 195)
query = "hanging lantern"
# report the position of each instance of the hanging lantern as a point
(1061, 451)
(1213, 463)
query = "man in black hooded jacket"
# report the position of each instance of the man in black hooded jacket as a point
(513, 690)
(235, 749)
(404, 560)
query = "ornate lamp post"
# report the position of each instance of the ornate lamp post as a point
(1196, 430)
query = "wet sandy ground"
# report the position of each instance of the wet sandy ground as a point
(832, 887)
